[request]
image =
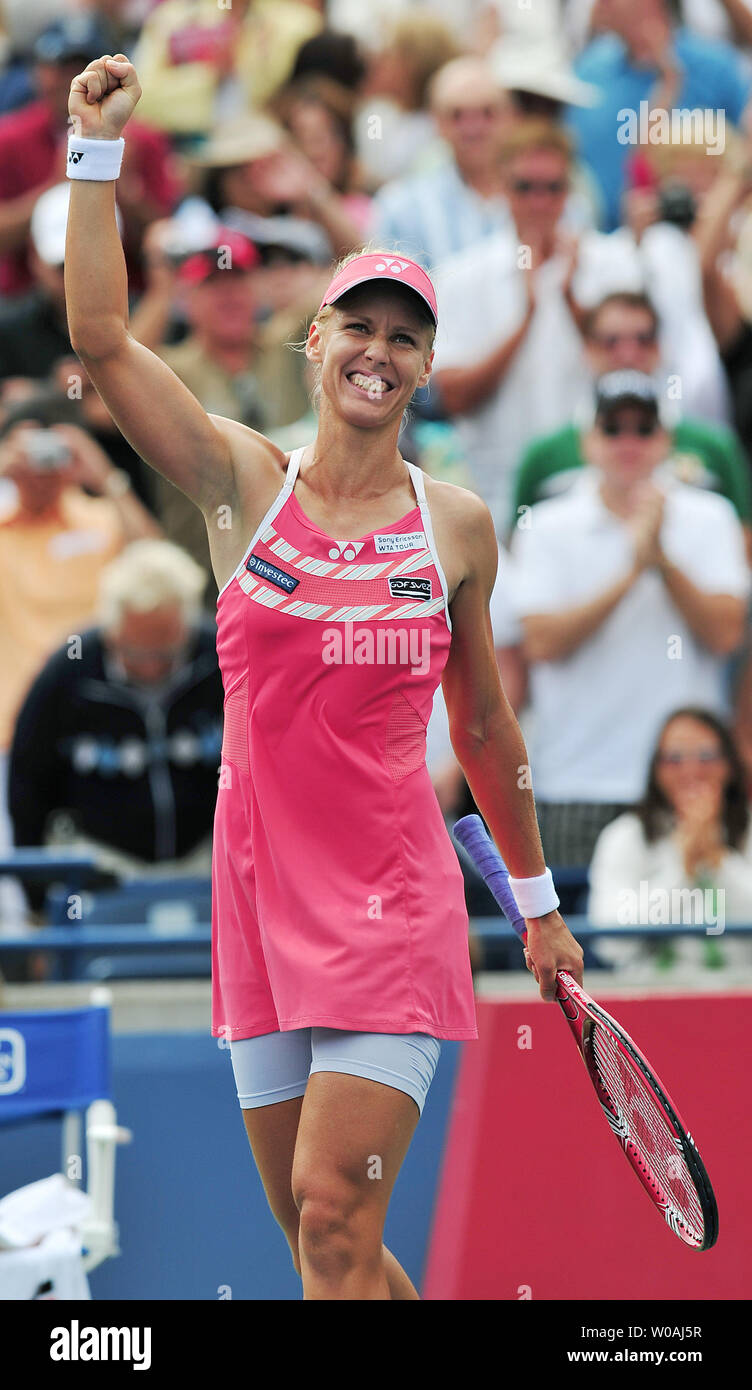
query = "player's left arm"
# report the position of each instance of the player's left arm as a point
(488, 742)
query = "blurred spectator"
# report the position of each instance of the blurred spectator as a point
(34, 328)
(199, 62)
(331, 54)
(645, 57)
(509, 358)
(318, 114)
(632, 591)
(439, 212)
(723, 226)
(395, 130)
(622, 333)
(34, 325)
(251, 165)
(232, 365)
(33, 151)
(715, 19)
(67, 513)
(71, 377)
(117, 745)
(684, 855)
(540, 84)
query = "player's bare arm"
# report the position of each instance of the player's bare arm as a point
(217, 463)
(485, 734)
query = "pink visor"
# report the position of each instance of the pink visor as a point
(397, 269)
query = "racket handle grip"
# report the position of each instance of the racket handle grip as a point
(471, 833)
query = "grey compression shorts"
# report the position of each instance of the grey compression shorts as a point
(275, 1066)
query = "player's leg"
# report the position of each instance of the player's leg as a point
(353, 1135)
(263, 1066)
(271, 1074)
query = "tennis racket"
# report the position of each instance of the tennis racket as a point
(635, 1102)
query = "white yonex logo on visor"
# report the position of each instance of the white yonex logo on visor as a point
(389, 263)
(345, 550)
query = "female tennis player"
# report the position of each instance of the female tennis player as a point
(349, 586)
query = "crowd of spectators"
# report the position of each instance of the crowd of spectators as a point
(577, 177)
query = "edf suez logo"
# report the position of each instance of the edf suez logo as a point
(12, 1061)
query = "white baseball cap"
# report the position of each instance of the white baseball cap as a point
(49, 221)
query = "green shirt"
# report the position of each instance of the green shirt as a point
(709, 456)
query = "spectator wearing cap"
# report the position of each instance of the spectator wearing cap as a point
(34, 342)
(622, 333)
(117, 745)
(251, 166)
(65, 512)
(631, 590)
(200, 62)
(231, 364)
(33, 150)
(34, 325)
(508, 358)
(644, 56)
(535, 71)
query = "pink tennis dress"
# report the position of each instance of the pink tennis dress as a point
(337, 896)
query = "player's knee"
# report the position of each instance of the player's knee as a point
(335, 1233)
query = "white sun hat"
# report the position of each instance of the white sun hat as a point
(543, 68)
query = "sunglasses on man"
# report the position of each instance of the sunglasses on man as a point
(613, 340)
(614, 430)
(550, 186)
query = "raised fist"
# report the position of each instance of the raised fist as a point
(102, 98)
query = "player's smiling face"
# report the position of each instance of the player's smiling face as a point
(374, 352)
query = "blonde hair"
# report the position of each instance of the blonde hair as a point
(146, 575)
(536, 135)
(425, 44)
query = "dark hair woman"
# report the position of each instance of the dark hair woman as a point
(684, 855)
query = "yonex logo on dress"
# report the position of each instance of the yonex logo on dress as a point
(389, 263)
(345, 550)
(347, 645)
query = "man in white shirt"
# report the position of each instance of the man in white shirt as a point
(631, 590)
(509, 361)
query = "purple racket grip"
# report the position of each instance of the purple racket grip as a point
(474, 838)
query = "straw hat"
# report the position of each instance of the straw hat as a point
(240, 140)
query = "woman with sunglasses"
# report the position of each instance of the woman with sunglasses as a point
(691, 831)
(349, 586)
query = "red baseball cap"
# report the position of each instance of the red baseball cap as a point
(379, 266)
(238, 252)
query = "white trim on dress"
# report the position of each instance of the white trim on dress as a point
(277, 504)
(419, 483)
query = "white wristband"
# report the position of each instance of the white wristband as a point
(535, 896)
(94, 160)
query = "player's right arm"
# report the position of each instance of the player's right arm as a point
(158, 415)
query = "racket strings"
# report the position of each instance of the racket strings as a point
(643, 1122)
